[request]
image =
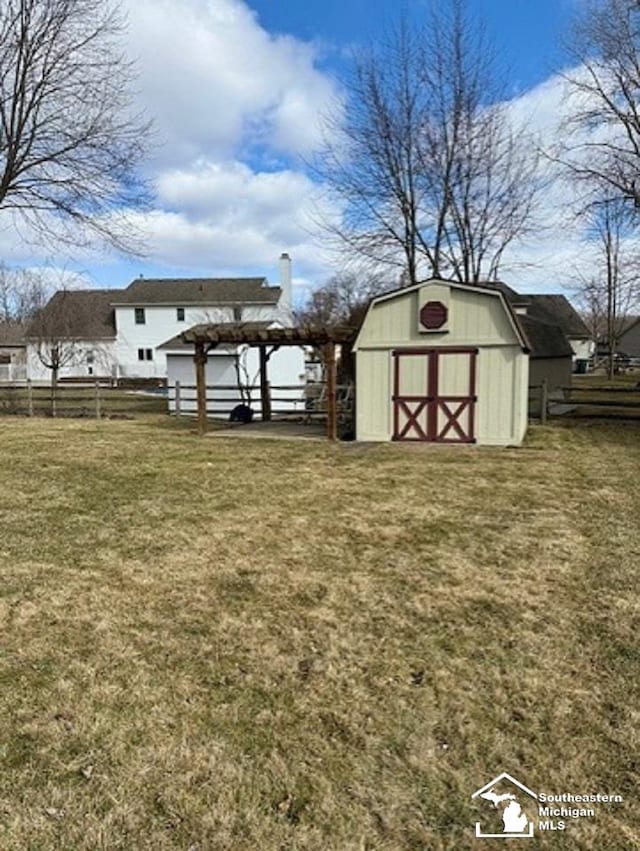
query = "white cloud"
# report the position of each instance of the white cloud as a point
(215, 80)
(225, 216)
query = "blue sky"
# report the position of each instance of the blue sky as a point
(529, 31)
(235, 88)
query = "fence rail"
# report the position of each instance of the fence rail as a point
(286, 400)
(604, 402)
(96, 399)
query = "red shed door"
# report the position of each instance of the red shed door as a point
(434, 395)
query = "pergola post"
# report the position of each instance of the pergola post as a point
(265, 395)
(200, 359)
(331, 372)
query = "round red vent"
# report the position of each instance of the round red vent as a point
(433, 315)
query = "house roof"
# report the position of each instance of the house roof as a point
(12, 334)
(182, 291)
(83, 314)
(546, 339)
(557, 310)
(508, 292)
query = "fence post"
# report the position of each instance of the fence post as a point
(544, 401)
(30, 397)
(177, 399)
(98, 411)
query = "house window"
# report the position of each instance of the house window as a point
(237, 314)
(140, 354)
(180, 314)
(140, 317)
(145, 354)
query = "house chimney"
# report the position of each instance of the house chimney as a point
(285, 281)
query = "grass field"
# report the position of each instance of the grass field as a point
(254, 645)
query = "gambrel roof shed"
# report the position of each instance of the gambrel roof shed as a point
(442, 362)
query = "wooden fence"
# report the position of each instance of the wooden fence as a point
(286, 401)
(76, 400)
(602, 402)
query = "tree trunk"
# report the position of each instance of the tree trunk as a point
(54, 390)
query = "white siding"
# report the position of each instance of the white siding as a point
(582, 349)
(285, 369)
(161, 324)
(78, 366)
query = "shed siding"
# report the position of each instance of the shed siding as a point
(501, 408)
(373, 383)
(557, 372)
(476, 320)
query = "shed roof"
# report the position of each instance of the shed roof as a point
(546, 340)
(180, 291)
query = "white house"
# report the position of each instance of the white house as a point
(13, 355)
(80, 326)
(151, 312)
(120, 333)
(247, 301)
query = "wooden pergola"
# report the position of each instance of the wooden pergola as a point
(204, 338)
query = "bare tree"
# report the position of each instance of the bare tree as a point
(22, 293)
(59, 330)
(602, 147)
(69, 138)
(342, 300)
(425, 162)
(611, 291)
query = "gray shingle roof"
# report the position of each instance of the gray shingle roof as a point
(182, 291)
(546, 339)
(12, 334)
(557, 310)
(82, 314)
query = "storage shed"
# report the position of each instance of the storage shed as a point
(442, 362)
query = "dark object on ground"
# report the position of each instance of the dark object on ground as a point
(241, 414)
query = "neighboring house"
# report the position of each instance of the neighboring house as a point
(442, 362)
(150, 312)
(558, 337)
(629, 340)
(555, 309)
(13, 352)
(80, 325)
(243, 302)
(551, 355)
(120, 332)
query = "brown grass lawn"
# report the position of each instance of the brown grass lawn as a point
(258, 645)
